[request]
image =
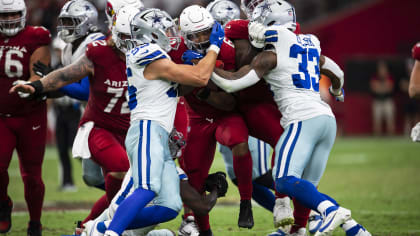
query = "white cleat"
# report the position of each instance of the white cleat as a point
(283, 213)
(357, 230)
(314, 222)
(333, 220)
(300, 232)
(188, 227)
(91, 229)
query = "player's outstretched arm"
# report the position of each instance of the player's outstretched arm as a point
(41, 54)
(414, 86)
(201, 205)
(81, 68)
(247, 75)
(336, 75)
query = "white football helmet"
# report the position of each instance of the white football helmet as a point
(121, 32)
(278, 12)
(195, 21)
(12, 27)
(77, 18)
(154, 26)
(223, 11)
(113, 6)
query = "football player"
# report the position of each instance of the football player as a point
(297, 97)
(414, 87)
(23, 122)
(209, 124)
(153, 79)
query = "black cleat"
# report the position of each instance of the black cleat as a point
(34, 228)
(246, 220)
(6, 215)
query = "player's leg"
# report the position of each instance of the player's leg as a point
(30, 148)
(232, 132)
(198, 157)
(147, 148)
(92, 174)
(8, 143)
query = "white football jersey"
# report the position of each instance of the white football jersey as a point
(150, 99)
(295, 80)
(68, 57)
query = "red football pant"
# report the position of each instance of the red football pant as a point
(28, 135)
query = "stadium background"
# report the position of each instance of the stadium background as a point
(377, 177)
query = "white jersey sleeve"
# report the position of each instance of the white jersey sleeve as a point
(150, 99)
(68, 56)
(295, 80)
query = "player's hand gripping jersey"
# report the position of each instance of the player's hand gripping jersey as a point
(15, 53)
(295, 80)
(107, 105)
(150, 99)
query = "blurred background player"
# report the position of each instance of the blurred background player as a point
(209, 124)
(414, 87)
(23, 122)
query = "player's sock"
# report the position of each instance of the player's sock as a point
(4, 182)
(305, 192)
(100, 205)
(151, 216)
(301, 215)
(34, 191)
(348, 225)
(263, 196)
(242, 166)
(202, 222)
(112, 186)
(129, 208)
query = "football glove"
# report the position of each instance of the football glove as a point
(256, 34)
(41, 69)
(338, 97)
(190, 55)
(217, 180)
(176, 143)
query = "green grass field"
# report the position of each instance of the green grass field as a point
(378, 179)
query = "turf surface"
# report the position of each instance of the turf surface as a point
(377, 178)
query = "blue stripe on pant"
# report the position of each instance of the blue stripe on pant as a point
(286, 150)
(144, 155)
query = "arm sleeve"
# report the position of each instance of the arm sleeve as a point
(78, 90)
(232, 86)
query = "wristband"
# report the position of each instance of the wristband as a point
(203, 94)
(37, 85)
(214, 48)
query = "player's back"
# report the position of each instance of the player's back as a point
(150, 99)
(15, 54)
(107, 105)
(295, 80)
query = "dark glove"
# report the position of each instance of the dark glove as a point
(176, 142)
(217, 180)
(41, 69)
(190, 55)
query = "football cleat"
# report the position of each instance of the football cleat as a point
(357, 230)
(188, 227)
(279, 232)
(334, 219)
(92, 229)
(6, 215)
(79, 228)
(34, 228)
(283, 213)
(314, 222)
(300, 232)
(246, 219)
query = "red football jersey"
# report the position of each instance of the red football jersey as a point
(237, 29)
(416, 51)
(227, 56)
(15, 54)
(107, 105)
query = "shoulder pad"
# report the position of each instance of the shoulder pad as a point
(181, 173)
(146, 54)
(42, 35)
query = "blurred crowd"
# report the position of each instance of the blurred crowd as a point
(45, 12)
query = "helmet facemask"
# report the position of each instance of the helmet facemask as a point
(69, 28)
(199, 40)
(13, 26)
